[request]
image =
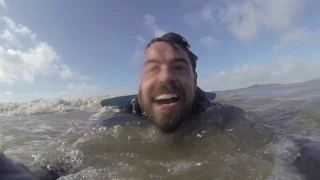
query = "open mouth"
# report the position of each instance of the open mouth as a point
(164, 99)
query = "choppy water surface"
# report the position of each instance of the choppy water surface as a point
(60, 132)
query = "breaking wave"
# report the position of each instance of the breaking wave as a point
(42, 106)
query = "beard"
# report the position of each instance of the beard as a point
(166, 121)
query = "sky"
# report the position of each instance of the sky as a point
(70, 49)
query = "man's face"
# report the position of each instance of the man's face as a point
(167, 85)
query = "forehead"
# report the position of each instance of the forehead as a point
(163, 51)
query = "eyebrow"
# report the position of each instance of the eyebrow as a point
(154, 61)
(183, 60)
(151, 61)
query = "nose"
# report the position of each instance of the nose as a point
(166, 75)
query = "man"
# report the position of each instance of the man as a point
(169, 97)
(168, 94)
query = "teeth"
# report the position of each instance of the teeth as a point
(166, 96)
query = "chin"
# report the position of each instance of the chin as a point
(168, 129)
(168, 123)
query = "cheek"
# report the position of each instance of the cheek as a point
(189, 87)
(145, 88)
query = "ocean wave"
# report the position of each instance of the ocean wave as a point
(42, 106)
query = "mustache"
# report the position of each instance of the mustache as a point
(170, 87)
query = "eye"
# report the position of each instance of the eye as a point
(152, 68)
(178, 67)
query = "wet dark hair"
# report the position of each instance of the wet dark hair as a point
(176, 39)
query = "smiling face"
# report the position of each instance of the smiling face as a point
(167, 85)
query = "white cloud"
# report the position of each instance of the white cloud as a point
(8, 93)
(246, 19)
(24, 65)
(150, 22)
(9, 36)
(206, 15)
(13, 68)
(66, 73)
(72, 91)
(2, 3)
(285, 70)
(301, 35)
(81, 90)
(209, 41)
(140, 39)
(296, 35)
(41, 59)
(19, 29)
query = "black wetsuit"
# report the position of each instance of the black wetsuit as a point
(308, 162)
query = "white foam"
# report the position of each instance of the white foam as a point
(90, 104)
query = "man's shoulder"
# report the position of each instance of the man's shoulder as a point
(223, 115)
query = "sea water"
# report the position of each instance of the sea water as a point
(60, 132)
